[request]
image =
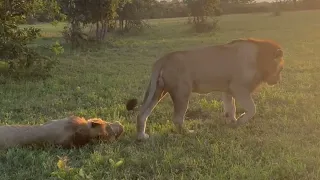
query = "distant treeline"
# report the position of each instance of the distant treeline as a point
(170, 9)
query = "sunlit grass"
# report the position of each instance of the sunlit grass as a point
(281, 142)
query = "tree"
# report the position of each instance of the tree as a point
(103, 14)
(131, 14)
(201, 9)
(21, 59)
(238, 1)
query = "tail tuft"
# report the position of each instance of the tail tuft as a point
(131, 104)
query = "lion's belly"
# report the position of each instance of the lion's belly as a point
(207, 86)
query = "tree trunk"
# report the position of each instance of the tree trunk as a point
(97, 31)
(105, 27)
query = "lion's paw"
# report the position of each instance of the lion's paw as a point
(188, 131)
(233, 125)
(142, 136)
(229, 121)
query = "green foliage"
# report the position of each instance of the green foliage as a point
(73, 33)
(131, 14)
(103, 15)
(116, 164)
(277, 5)
(276, 12)
(281, 142)
(200, 10)
(205, 26)
(81, 13)
(43, 11)
(218, 11)
(65, 172)
(22, 60)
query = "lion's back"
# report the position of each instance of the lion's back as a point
(212, 67)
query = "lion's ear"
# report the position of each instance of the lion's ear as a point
(94, 124)
(279, 53)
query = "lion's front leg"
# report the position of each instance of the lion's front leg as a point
(229, 107)
(243, 97)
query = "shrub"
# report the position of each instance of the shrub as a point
(205, 26)
(218, 11)
(200, 10)
(19, 58)
(276, 11)
(75, 36)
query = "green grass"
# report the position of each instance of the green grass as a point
(281, 142)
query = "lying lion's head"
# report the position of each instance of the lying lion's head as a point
(83, 131)
(105, 131)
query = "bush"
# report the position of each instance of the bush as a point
(75, 36)
(134, 27)
(200, 10)
(205, 26)
(218, 12)
(21, 59)
(276, 11)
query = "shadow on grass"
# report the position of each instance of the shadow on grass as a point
(198, 113)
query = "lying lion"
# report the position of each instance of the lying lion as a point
(236, 69)
(68, 132)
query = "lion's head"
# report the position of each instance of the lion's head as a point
(270, 60)
(93, 129)
(273, 72)
(105, 131)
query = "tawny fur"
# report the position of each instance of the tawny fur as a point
(68, 132)
(236, 69)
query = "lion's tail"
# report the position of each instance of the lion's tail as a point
(132, 103)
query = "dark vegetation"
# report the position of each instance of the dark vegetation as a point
(102, 17)
(17, 58)
(281, 143)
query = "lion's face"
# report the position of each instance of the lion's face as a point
(276, 66)
(103, 130)
(276, 77)
(97, 128)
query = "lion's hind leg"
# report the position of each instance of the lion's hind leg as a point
(145, 113)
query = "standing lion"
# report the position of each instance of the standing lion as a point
(236, 69)
(68, 132)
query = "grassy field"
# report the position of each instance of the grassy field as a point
(281, 142)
